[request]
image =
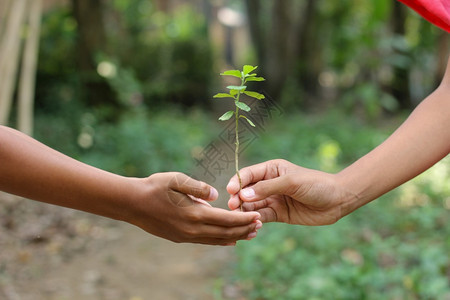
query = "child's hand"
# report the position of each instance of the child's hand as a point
(173, 206)
(283, 192)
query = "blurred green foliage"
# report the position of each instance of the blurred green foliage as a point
(143, 143)
(57, 82)
(321, 141)
(352, 49)
(157, 58)
(140, 143)
(394, 248)
(166, 57)
(383, 251)
(171, 54)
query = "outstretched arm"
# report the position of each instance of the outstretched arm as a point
(160, 204)
(421, 141)
(283, 192)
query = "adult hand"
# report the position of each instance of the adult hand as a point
(283, 192)
(174, 206)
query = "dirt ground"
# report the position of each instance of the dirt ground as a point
(48, 252)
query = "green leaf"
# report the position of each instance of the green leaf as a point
(247, 69)
(254, 95)
(226, 116)
(251, 75)
(242, 106)
(255, 79)
(223, 95)
(233, 92)
(235, 73)
(248, 120)
(236, 87)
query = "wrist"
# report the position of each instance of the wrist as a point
(130, 203)
(350, 197)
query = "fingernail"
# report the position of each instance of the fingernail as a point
(248, 193)
(231, 186)
(258, 225)
(251, 235)
(213, 193)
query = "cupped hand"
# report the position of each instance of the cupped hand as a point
(175, 207)
(284, 192)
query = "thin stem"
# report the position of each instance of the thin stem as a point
(236, 151)
(236, 154)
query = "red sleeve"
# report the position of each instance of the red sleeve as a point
(435, 11)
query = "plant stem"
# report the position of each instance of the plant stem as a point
(236, 153)
(236, 149)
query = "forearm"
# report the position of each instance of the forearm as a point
(35, 171)
(422, 140)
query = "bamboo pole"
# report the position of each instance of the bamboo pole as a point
(10, 57)
(4, 13)
(4, 9)
(28, 72)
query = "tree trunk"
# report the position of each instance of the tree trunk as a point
(306, 50)
(163, 5)
(4, 10)
(9, 58)
(400, 83)
(277, 58)
(207, 11)
(272, 43)
(28, 72)
(91, 41)
(253, 13)
(287, 40)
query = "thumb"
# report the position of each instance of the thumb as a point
(199, 189)
(278, 186)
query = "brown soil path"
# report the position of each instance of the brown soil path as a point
(49, 252)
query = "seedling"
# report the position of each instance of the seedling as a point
(235, 93)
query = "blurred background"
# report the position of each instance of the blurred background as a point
(127, 86)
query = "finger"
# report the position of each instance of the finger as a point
(201, 201)
(222, 217)
(248, 175)
(213, 234)
(255, 206)
(251, 236)
(283, 185)
(180, 200)
(187, 185)
(234, 202)
(214, 241)
(210, 241)
(233, 186)
(267, 213)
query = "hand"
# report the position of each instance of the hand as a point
(173, 206)
(283, 192)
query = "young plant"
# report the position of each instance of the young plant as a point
(235, 93)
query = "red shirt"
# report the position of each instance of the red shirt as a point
(435, 11)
